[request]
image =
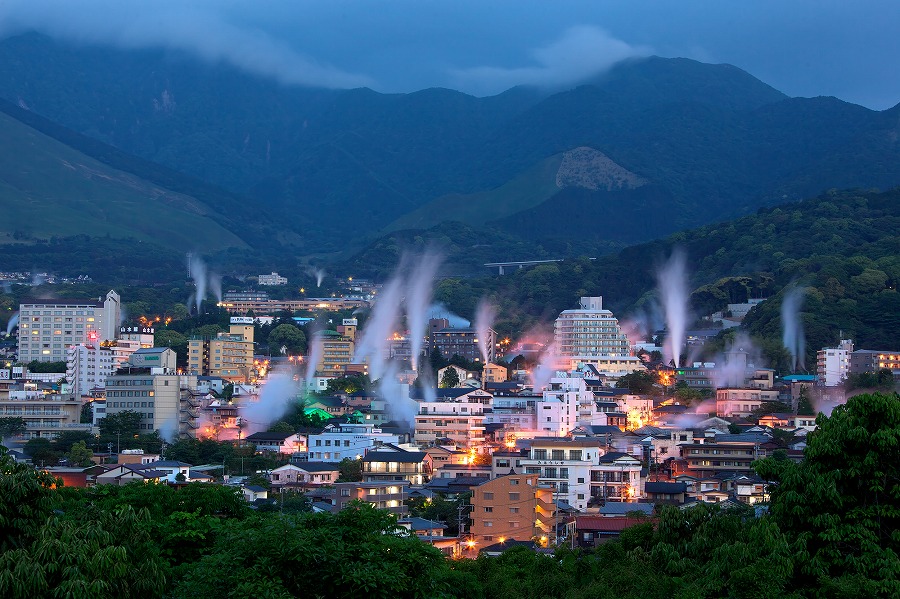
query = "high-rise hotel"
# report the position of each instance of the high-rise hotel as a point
(591, 335)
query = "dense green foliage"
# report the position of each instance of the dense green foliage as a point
(831, 531)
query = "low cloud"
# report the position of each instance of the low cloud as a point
(582, 52)
(200, 29)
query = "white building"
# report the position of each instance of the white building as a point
(272, 279)
(48, 327)
(565, 465)
(351, 441)
(591, 335)
(832, 363)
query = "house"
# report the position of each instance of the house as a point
(385, 495)
(422, 527)
(665, 492)
(621, 508)
(305, 474)
(751, 490)
(451, 488)
(590, 530)
(462, 470)
(172, 469)
(388, 464)
(278, 442)
(254, 493)
(123, 474)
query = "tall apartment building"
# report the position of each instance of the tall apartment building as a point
(48, 327)
(89, 365)
(46, 412)
(591, 335)
(565, 465)
(833, 363)
(150, 385)
(517, 507)
(227, 355)
(461, 341)
(337, 349)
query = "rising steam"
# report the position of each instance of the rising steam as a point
(275, 397)
(672, 282)
(203, 280)
(12, 323)
(418, 299)
(792, 327)
(546, 367)
(484, 320)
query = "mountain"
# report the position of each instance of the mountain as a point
(49, 189)
(842, 247)
(332, 169)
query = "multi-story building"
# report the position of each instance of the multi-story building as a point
(742, 402)
(385, 495)
(459, 341)
(454, 414)
(390, 464)
(565, 465)
(833, 363)
(311, 304)
(338, 348)
(48, 327)
(515, 412)
(351, 441)
(88, 366)
(227, 355)
(591, 335)
(710, 457)
(272, 279)
(870, 360)
(150, 385)
(246, 296)
(494, 373)
(517, 507)
(617, 477)
(46, 412)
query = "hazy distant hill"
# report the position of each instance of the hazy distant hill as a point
(706, 141)
(49, 189)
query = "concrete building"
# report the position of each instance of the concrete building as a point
(46, 413)
(385, 495)
(48, 327)
(870, 360)
(454, 414)
(512, 508)
(273, 279)
(227, 355)
(351, 441)
(390, 464)
(150, 385)
(742, 402)
(833, 363)
(591, 335)
(338, 348)
(459, 341)
(565, 465)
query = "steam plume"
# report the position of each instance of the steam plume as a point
(792, 327)
(418, 299)
(545, 368)
(672, 282)
(484, 320)
(198, 274)
(12, 323)
(274, 399)
(316, 348)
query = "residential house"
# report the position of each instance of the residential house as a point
(277, 441)
(391, 464)
(305, 474)
(386, 495)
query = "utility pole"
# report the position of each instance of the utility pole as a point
(118, 443)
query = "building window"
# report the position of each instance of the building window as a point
(488, 495)
(488, 509)
(513, 496)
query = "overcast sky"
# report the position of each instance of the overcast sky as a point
(801, 47)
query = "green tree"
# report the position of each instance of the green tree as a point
(349, 470)
(125, 424)
(12, 426)
(26, 500)
(40, 450)
(449, 379)
(80, 455)
(839, 506)
(289, 336)
(804, 404)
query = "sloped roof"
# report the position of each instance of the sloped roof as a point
(269, 436)
(406, 457)
(665, 487)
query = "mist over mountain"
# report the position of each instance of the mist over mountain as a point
(338, 167)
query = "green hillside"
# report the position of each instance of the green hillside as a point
(844, 247)
(48, 189)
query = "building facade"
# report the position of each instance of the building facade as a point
(227, 355)
(273, 279)
(459, 341)
(48, 327)
(459, 419)
(591, 335)
(515, 508)
(833, 363)
(46, 413)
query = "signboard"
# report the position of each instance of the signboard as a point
(349, 322)
(4, 374)
(140, 330)
(242, 320)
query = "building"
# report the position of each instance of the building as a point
(459, 341)
(565, 465)
(742, 402)
(455, 414)
(338, 348)
(311, 304)
(617, 477)
(494, 373)
(710, 457)
(515, 507)
(277, 442)
(591, 335)
(227, 355)
(272, 279)
(48, 327)
(150, 385)
(869, 360)
(46, 412)
(305, 474)
(388, 464)
(351, 441)
(385, 495)
(833, 363)
(246, 296)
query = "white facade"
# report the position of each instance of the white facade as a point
(272, 279)
(350, 441)
(558, 411)
(48, 327)
(591, 335)
(833, 363)
(565, 465)
(460, 419)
